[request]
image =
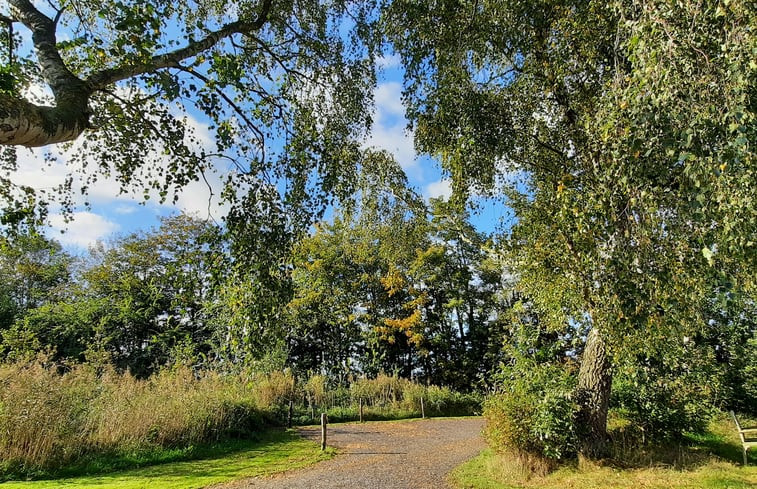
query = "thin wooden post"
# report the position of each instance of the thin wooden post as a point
(290, 413)
(423, 409)
(361, 410)
(324, 421)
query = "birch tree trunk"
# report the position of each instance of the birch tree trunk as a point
(593, 396)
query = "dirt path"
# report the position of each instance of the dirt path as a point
(388, 455)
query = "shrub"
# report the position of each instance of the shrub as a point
(533, 412)
(662, 405)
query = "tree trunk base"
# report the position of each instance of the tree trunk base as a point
(593, 398)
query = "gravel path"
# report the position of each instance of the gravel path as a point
(384, 455)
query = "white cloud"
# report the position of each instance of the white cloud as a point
(388, 97)
(441, 188)
(125, 209)
(84, 230)
(202, 198)
(397, 141)
(391, 61)
(389, 130)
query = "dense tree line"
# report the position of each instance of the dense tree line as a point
(382, 291)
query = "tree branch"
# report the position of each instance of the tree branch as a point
(106, 77)
(232, 104)
(27, 124)
(9, 22)
(66, 87)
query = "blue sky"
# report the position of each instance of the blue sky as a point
(113, 213)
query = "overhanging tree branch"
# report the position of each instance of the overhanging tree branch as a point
(27, 124)
(106, 77)
(66, 87)
(232, 104)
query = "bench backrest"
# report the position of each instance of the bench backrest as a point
(735, 420)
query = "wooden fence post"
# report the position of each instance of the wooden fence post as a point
(290, 413)
(324, 420)
(423, 409)
(361, 410)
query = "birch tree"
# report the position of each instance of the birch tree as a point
(632, 127)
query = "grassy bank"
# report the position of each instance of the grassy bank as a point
(707, 461)
(276, 451)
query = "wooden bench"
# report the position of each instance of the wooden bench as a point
(748, 436)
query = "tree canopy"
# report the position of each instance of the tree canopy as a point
(284, 88)
(622, 135)
(632, 127)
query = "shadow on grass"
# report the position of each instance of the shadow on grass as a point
(211, 460)
(690, 453)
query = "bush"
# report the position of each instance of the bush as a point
(533, 412)
(662, 405)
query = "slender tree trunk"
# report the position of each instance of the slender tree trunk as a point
(593, 396)
(460, 327)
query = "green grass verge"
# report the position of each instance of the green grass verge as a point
(276, 451)
(493, 471)
(711, 461)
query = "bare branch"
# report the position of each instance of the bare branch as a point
(279, 60)
(58, 11)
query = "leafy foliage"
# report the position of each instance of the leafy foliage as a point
(141, 302)
(34, 269)
(160, 94)
(628, 130)
(534, 411)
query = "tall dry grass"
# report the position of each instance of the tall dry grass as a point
(403, 394)
(43, 415)
(49, 419)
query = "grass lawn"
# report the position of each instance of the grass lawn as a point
(712, 461)
(277, 452)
